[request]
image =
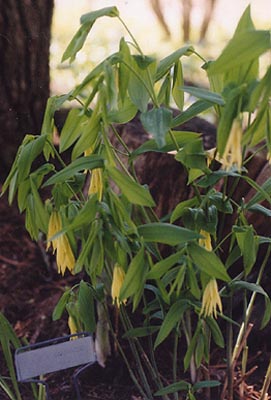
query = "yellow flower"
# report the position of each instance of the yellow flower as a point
(72, 325)
(268, 157)
(54, 226)
(64, 255)
(232, 155)
(211, 155)
(88, 151)
(96, 183)
(211, 300)
(117, 282)
(206, 240)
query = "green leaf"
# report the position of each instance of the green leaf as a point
(181, 137)
(41, 215)
(89, 134)
(89, 162)
(23, 192)
(194, 110)
(87, 245)
(208, 262)
(166, 233)
(61, 305)
(7, 338)
(258, 208)
(248, 245)
(181, 207)
(86, 307)
(171, 319)
(141, 331)
(173, 388)
(178, 81)
(169, 61)
(252, 287)
(28, 154)
(218, 199)
(72, 128)
(87, 21)
(98, 70)
(228, 114)
(255, 288)
(243, 48)
(262, 190)
(204, 94)
(260, 195)
(216, 332)
(157, 122)
(140, 86)
(85, 216)
(161, 267)
(77, 42)
(134, 278)
(103, 12)
(205, 384)
(124, 114)
(124, 72)
(192, 345)
(164, 93)
(193, 156)
(134, 192)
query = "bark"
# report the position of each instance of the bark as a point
(25, 27)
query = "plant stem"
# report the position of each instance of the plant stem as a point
(250, 305)
(229, 350)
(175, 356)
(131, 373)
(266, 384)
(144, 380)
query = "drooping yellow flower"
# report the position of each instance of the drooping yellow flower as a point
(232, 155)
(117, 282)
(96, 183)
(268, 157)
(211, 300)
(72, 325)
(88, 151)
(211, 154)
(54, 226)
(64, 254)
(206, 240)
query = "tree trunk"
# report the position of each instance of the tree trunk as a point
(25, 27)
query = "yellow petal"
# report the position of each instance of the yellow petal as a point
(96, 183)
(206, 240)
(211, 300)
(72, 325)
(54, 226)
(64, 257)
(232, 155)
(117, 282)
